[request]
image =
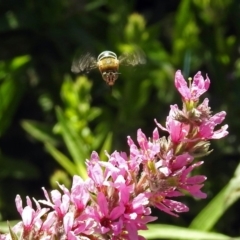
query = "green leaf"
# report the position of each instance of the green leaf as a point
(64, 161)
(232, 192)
(10, 95)
(76, 146)
(163, 231)
(182, 17)
(209, 216)
(13, 235)
(4, 226)
(20, 61)
(40, 131)
(11, 90)
(94, 5)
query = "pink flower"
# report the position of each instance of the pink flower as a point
(204, 109)
(177, 130)
(60, 203)
(160, 200)
(94, 169)
(107, 217)
(122, 167)
(206, 129)
(136, 214)
(191, 184)
(148, 149)
(68, 221)
(181, 161)
(31, 219)
(79, 194)
(84, 223)
(197, 88)
(134, 206)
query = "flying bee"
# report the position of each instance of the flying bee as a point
(108, 64)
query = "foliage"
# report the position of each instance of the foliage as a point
(46, 113)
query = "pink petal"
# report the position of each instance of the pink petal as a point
(103, 204)
(27, 216)
(18, 202)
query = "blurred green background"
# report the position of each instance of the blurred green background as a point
(51, 119)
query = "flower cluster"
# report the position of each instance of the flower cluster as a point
(115, 201)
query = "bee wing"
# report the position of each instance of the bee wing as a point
(84, 63)
(132, 59)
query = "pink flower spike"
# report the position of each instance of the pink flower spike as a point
(115, 201)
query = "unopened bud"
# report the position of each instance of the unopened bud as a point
(200, 149)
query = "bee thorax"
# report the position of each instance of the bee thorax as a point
(107, 54)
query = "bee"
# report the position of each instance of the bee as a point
(108, 64)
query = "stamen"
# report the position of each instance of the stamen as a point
(190, 82)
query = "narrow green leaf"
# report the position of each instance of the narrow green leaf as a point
(64, 161)
(163, 231)
(182, 17)
(208, 217)
(20, 61)
(13, 235)
(92, 6)
(39, 131)
(75, 145)
(10, 95)
(232, 192)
